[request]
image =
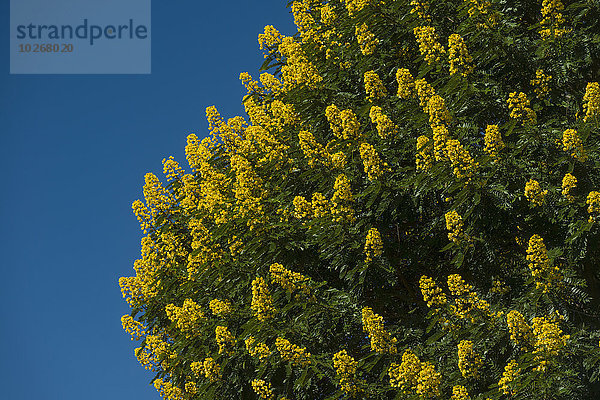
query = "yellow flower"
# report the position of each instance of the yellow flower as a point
(464, 166)
(263, 389)
(493, 141)
(345, 367)
(302, 208)
(518, 105)
(432, 294)
(458, 56)
(540, 83)
(257, 349)
(224, 339)
(136, 329)
(373, 86)
(542, 271)
(534, 192)
(212, 370)
(297, 355)
(373, 245)
(406, 374)
(591, 101)
(460, 393)
(520, 331)
(469, 362)
(429, 47)
(511, 372)
(406, 83)
(373, 165)
(569, 182)
(289, 280)
(381, 340)
(424, 157)
(220, 308)
(593, 202)
(438, 113)
(552, 20)
(454, 225)
(262, 304)
(421, 8)
(270, 38)
(187, 317)
(366, 40)
(385, 127)
(572, 144)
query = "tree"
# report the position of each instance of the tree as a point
(410, 210)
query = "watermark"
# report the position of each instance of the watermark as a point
(80, 37)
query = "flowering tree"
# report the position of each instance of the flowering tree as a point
(410, 209)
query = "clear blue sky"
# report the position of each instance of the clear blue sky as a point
(73, 154)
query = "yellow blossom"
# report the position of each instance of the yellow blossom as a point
(493, 141)
(593, 202)
(263, 389)
(220, 308)
(289, 280)
(187, 317)
(297, 355)
(540, 83)
(542, 271)
(366, 39)
(262, 304)
(569, 183)
(454, 225)
(373, 245)
(373, 166)
(511, 372)
(345, 367)
(429, 47)
(518, 105)
(469, 362)
(224, 339)
(385, 127)
(257, 349)
(534, 192)
(460, 393)
(374, 86)
(381, 340)
(424, 157)
(591, 101)
(458, 56)
(520, 331)
(572, 144)
(406, 83)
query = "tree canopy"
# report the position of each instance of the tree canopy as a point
(410, 209)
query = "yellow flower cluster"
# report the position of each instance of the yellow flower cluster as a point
(247, 190)
(211, 370)
(345, 367)
(454, 225)
(338, 160)
(421, 8)
(373, 166)
(320, 204)
(540, 83)
(591, 101)
(424, 158)
(168, 391)
(271, 38)
(438, 113)
(429, 46)
(136, 329)
(283, 114)
(373, 245)
(187, 317)
(302, 208)
(534, 193)
(466, 300)
(328, 15)
(289, 280)
(171, 169)
(156, 352)
(460, 393)
(297, 355)
(463, 165)
(499, 287)
(374, 86)
(511, 372)
(158, 199)
(354, 6)
(425, 92)
(406, 83)
(520, 331)
(344, 124)
(271, 83)
(341, 200)
(414, 375)
(552, 20)
(262, 303)
(220, 308)
(458, 56)
(542, 271)
(224, 339)
(493, 141)
(518, 105)
(366, 40)
(549, 340)
(257, 349)
(263, 389)
(385, 127)
(469, 362)
(572, 144)
(381, 340)
(569, 182)
(432, 294)
(440, 138)
(313, 151)
(250, 84)
(304, 20)
(593, 202)
(298, 70)
(480, 10)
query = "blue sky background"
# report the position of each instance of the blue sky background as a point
(73, 154)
